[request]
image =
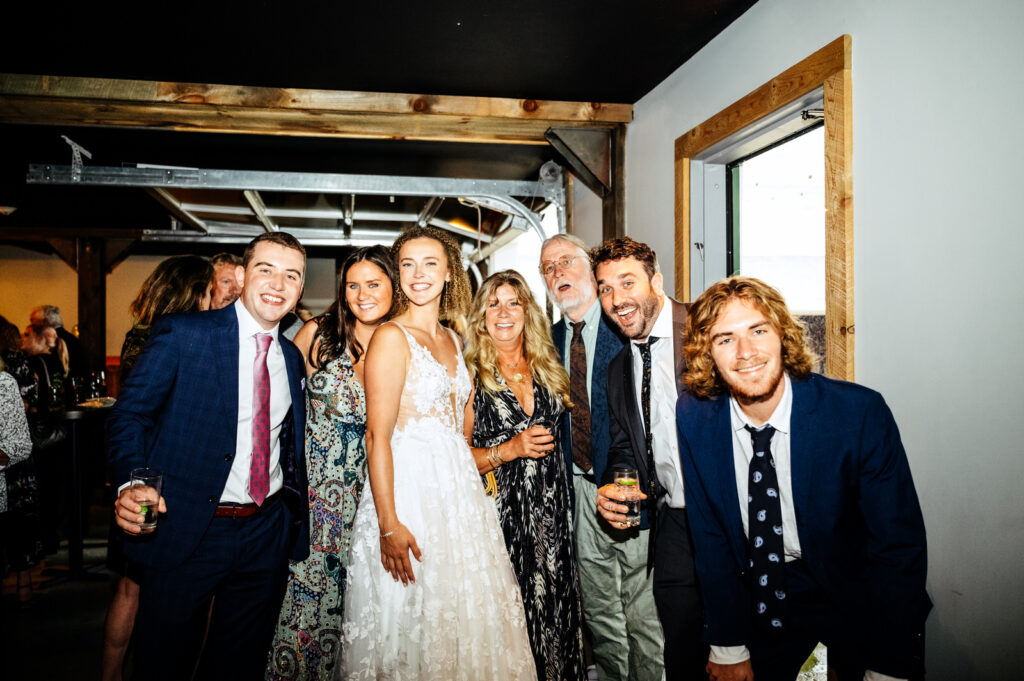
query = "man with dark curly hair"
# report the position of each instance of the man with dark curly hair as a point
(802, 509)
(644, 381)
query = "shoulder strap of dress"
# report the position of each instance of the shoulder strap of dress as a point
(408, 336)
(455, 337)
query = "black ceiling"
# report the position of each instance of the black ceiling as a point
(557, 49)
(594, 50)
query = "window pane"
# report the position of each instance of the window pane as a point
(782, 220)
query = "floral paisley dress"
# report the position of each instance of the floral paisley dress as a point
(309, 627)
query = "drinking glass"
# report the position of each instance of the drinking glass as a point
(146, 485)
(627, 480)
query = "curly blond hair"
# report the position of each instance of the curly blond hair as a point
(456, 295)
(538, 348)
(702, 377)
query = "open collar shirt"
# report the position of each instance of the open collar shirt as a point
(664, 440)
(237, 488)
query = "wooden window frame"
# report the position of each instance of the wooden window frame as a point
(829, 69)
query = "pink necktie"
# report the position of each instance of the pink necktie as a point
(259, 469)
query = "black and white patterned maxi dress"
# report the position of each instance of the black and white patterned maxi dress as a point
(533, 506)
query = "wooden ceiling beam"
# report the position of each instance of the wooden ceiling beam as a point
(30, 99)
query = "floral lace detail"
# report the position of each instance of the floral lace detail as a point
(429, 391)
(462, 619)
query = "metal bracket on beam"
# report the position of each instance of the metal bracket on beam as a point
(168, 201)
(588, 153)
(77, 151)
(429, 210)
(259, 209)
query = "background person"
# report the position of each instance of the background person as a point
(19, 517)
(178, 284)
(519, 396)
(77, 363)
(334, 344)
(50, 447)
(225, 284)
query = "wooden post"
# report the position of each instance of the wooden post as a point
(613, 206)
(92, 301)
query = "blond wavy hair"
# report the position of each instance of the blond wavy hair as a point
(702, 377)
(538, 348)
(455, 297)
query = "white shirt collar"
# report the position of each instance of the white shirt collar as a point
(780, 417)
(247, 324)
(663, 324)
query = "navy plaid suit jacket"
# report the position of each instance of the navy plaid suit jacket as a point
(178, 412)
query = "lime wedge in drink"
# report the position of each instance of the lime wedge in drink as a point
(144, 510)
(626, 481)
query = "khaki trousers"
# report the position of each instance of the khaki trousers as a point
(618, 598)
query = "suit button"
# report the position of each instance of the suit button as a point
(229, 457)
(212, 499)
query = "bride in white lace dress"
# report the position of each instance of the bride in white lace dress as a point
(455, 612)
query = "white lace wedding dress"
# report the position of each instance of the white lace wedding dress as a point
(463, 617)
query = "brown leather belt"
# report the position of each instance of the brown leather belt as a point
(244, 510)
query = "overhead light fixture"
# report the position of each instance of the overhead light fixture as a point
(7, 210)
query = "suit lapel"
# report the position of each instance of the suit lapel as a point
(225, 353)
(804, 441)
(558, 338)
(633, 416)
(722, 467)
(679, 312)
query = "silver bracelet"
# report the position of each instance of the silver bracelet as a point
(387, 534)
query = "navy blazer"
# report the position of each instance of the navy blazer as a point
(858, 519)
(178, 412)
(608, 344)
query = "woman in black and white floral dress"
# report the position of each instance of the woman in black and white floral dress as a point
(520, 393)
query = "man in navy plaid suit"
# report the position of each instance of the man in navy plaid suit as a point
(215, 402)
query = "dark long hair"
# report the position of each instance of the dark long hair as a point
(336, 327)
(176, 285)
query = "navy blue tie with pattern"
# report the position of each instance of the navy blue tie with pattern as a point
(764, 532)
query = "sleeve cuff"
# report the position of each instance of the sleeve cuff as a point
(731, 655)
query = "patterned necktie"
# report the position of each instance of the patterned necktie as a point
(580, 421)
(259, 468)
(645, 401)
(764, 523)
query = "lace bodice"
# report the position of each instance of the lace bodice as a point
(429, 392)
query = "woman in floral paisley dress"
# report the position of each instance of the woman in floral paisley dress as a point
(306, 642)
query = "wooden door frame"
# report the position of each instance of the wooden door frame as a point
(829, 69)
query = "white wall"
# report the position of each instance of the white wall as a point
(29, 279)
(938, 303)
(587, 218)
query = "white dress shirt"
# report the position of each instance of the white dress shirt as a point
(664, 440)
(237, 488)
(743, 452)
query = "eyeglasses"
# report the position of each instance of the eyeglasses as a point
(565, 262)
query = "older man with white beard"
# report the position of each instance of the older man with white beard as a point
(617, 589)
